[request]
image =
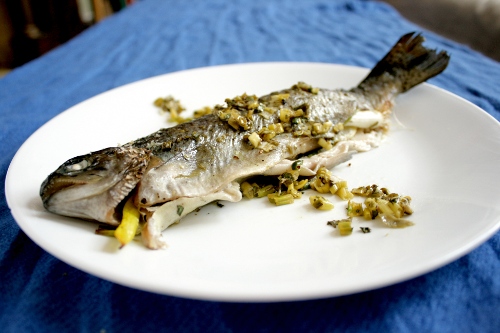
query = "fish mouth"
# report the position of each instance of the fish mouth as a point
(93, 186)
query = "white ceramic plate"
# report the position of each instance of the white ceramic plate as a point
(442, 150)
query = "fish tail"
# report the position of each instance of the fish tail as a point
(407, 64)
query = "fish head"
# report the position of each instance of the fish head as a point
(93, 186)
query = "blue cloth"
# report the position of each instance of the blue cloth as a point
(39, 293)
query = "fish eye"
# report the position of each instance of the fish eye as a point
(77, 166)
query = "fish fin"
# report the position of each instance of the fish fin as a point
(407, 64)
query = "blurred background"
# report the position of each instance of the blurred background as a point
(475, 23)
(30, 28)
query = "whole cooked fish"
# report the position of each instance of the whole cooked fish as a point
(203, 160)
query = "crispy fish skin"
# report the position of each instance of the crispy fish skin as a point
(204, 158)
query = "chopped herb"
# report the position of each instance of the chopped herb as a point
(264, 191)
(344, 227)
(219, 204)
(180, 209)
(286, 177)
(365, 230)
(280, 200)
(298, 120)
(320, 202)
(333, 223)
(354, 208)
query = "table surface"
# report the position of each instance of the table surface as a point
(39, 293)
